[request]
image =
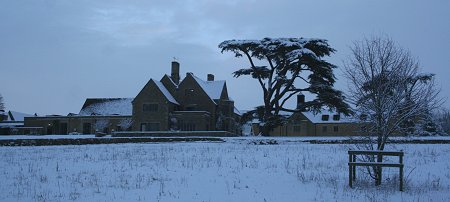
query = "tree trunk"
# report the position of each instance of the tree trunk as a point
(265, 130)
(378, 171)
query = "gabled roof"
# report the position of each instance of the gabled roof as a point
(16, 116)
(165, 92)
(212, 88)
(107, 106)
(170, 79)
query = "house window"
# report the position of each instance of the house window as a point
(325, 117)
(324, 129)
(150, 107)
(149, 126)
(153, 126)
(336, 117)
(297, 128)
(143, 126)
(189, 92)
(336, 129)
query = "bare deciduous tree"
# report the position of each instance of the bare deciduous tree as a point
(387, 90)
(443, 117)
(2, 104)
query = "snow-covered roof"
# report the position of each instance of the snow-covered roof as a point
(170, 79)
(236, 111)
(16, 116)
(317, 117)
(107, 106)
(166, 92)
(212, 88)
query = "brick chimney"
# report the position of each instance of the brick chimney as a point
(175, 75)
(210, 77)
(300, 101)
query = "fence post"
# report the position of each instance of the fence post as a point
(401, 171)
(350, 168)
(354, 167)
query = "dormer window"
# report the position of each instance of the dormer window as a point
(336, 117)
(325, 117)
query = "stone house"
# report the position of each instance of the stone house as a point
(191, 104)
(188, 105)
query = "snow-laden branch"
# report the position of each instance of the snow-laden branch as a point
(289, 60)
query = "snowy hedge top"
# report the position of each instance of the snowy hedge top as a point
(107, 106)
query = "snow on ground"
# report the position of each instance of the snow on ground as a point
(230, 171)
(228, 139)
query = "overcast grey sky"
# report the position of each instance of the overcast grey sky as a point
(55, 54)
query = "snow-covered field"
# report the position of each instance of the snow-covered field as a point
(232, 171)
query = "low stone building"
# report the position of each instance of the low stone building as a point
(325, 123)
(12, 123)
(191, 104)
(309, 124)
(97, 115)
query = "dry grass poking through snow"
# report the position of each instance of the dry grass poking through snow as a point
(234, 171)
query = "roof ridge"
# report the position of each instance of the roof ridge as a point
(106, 106)
(98, 98)
(210, 90)
(165, 92)
(196, 77)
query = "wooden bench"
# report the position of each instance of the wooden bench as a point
(352, 163)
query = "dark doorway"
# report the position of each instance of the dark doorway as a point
(63, 128)
(86, 128)
(49, 130)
